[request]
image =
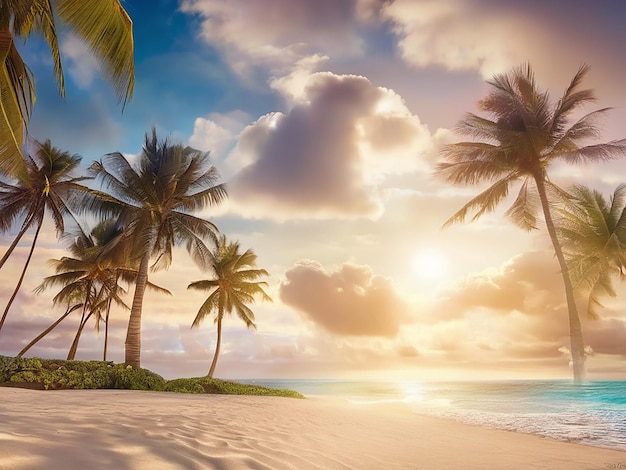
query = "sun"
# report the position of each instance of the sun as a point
(430, 264)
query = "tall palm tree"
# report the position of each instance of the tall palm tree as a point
(155, 200)
(103, 25)
(47, 186)
(593, 233)
(233, 287)
(524, 134)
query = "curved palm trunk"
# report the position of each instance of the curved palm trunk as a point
(72, 352)
(133, 334)
(217, 345)
(577, 344)
(83, 320)
(25, 227)
(48, 330)
(21, 279)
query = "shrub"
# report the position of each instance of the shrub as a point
(128, 378)
(184, 386)
(56, 374)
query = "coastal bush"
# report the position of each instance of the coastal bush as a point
(184, 386)
(128, 378)
(56, 374)
(225, 387)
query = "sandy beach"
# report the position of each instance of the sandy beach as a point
(150, 430)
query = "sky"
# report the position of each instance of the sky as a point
(325, 119)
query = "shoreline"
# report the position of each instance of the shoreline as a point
(158, 430)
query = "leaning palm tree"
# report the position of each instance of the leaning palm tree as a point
(46, 187)
(593, 233)
(70, 308)
(523, 136)
(233, 287)
(86, 280)
(104, 26)
(90, 278)
(155, 199)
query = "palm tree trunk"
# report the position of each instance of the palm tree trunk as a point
(106, 330)
(217, 345)
(83, 320)
(21, 279)
(25, 227)
(577, 344)
(72, 352)
(48, 330)
(133, 334)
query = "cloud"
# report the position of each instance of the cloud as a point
(517, 311)
(528, 283)
(83, 65)
(493, 36)
(350, 301)
(456, 35)
(327, 156)
(218, 132)
(274, 34)
(606, 336)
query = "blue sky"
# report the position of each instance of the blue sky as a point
(325, 119)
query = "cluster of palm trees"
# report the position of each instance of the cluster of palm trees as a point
(524, 134)
(141, 211)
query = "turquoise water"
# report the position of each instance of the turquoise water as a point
(591, 414)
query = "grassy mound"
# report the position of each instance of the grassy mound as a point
(55, 374)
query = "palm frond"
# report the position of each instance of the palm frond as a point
(17, 95)
(485, 202)
(523, 211)
(572, 99)
(107, 29)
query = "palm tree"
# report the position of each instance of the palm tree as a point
(593, 233)
(103, 25)
(525, 135)
(90, 278)
(46, 187)
(86, 280)
(92, 274)
(232, 288)
(155, 199)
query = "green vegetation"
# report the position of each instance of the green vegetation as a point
(104, 27)
(209, 385)
(55, 374)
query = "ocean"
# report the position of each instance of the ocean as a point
(592, 414)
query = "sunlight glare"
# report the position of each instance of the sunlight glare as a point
(412, 391)
(430, 264)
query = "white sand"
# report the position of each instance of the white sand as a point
(93, 429)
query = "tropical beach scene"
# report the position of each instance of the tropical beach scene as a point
(312, 234)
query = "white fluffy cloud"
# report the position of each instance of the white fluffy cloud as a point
(83, 66)
(275, 34)
(217, 133)
(329, 153)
